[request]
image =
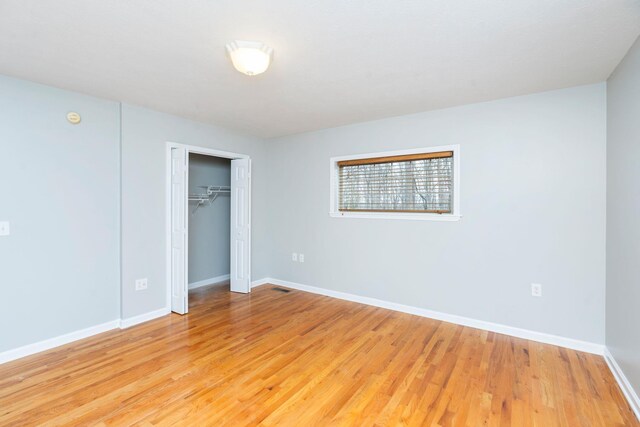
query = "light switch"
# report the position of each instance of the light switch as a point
(4, 228)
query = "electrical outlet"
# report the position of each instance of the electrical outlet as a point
(536, 289)
(294, 257)
(141, 284)
(4, 228)
(301, 257)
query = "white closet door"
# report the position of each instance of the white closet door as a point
(179, 291)
(240, 225)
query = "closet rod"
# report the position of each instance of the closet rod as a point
(212, 193)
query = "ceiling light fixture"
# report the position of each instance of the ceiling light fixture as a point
(250, 58)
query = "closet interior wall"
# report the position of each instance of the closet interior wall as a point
(208, 222)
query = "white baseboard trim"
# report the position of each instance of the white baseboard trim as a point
(50, 343)
(571, 343)
(260, 282)
(479, 324)
(623, 382)
(211, 281)
(136, 320)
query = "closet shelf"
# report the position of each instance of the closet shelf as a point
(211, 193)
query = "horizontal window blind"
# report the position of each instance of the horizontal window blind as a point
(409, 183)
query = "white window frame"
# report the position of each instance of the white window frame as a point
(455, 214)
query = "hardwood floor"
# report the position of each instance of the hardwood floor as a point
(298, 359)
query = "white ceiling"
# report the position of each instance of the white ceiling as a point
(335, 62)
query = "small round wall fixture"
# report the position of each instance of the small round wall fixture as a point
(250, 58)
(73, 118)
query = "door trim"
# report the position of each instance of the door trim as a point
(195, 150)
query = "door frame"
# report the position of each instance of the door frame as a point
(195, 150)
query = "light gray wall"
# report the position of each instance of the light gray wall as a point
(209, 233)
(543, 223)
(59, 188)
(144, 137)
(623, 214)
(533, 206)
(87, 214)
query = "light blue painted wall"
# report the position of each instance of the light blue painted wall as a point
(59, 188)
(533, 206)
(209, 233)
(623, 215)
(545, 222)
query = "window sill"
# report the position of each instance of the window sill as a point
(397, 215)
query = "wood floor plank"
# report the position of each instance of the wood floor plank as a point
(271, 358)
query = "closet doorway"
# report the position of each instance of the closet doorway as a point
(209, 221)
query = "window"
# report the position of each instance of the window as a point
(414, 184)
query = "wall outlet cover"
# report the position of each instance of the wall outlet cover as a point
(141, 284)
(294, 257)
(301, 257)
(536, 289)
(4, 228)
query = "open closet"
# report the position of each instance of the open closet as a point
(209, 227)
(209, 220)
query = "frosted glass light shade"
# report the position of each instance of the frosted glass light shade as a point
(249, 58)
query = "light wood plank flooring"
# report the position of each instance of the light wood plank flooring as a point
(298, 359)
